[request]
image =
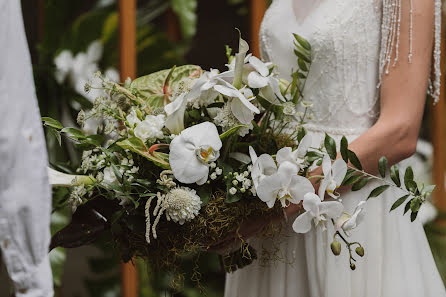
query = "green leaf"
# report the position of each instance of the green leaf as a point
(344, 149)
(413, 216)
(205, 193)
(360, 184)
(353, 179)
(312, 156)
(348, 175)
(56, 134)
(231, 131)
(354, 159)
(137, 146)
(302, 56)
(330, 146)
(415, 205)
(382, 166)
(301, 133)
(303, 42)
(378, 191)
(412, 186)
(395, 175)
(408, 177)
(187, 15)
(50, 122)
(73, 132)
(96, 140)
(407, 207)
(302, 65)
(399, 202)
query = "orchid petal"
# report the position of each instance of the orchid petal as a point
(259, 66)
(299, 187)
(311, 203)
(262, 167)
(257, 81)
(241, 112)
(269, 188)
(284, 155)
(326, 165)
(323, 186)
(304, 145)
(302, 224)
(274, 84)
(252, 154)
(204, 134)
(339, 169)
(332, 209)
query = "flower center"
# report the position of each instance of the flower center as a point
(206, 154)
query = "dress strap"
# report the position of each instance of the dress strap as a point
(390, 41)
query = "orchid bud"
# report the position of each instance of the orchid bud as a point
(352, 266)
(336, 247)
(360, 251)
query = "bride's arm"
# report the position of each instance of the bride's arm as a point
(403, 93)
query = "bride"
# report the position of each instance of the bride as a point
(368, 81)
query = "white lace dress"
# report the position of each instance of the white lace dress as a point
(346, 41)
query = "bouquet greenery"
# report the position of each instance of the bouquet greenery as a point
(183, 156)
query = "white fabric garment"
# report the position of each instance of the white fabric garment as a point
(25, 195)
(345, 36)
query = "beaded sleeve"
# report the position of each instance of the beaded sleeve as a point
(390, 41)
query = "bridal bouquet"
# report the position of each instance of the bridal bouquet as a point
(184, 156)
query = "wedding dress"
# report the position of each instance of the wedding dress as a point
(346, 39)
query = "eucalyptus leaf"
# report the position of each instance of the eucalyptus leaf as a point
(407, 207)
(353, 179)
(408, 177)
(344, 149)
(413, 216)
(378, 191)
(399, 202)
(354, 159)
(395, 175)
(330, 146)
(360, 184)
(382, 166)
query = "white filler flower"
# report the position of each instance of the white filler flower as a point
(182, 205)
(150, 128)
(349, 222)
(297, 156)
(333, 176)
(192, 151)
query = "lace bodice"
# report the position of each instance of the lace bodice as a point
(346, 47)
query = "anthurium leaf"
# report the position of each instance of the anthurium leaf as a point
(330, 146)
(152, 87)
(399, 202)
(378, 191)
(354, 159)
(395, 175)
(344, 149)
(382, 166)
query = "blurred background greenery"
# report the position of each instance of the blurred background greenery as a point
(88, 31)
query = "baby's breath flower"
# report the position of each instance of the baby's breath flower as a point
(218, 171)
(213, 176)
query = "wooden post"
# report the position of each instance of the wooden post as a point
(173, 26)
(127, 63)
(438, 133)
(258, 8)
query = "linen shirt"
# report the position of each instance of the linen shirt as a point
(25, 195)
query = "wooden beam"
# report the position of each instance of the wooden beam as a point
(438, 133)
(258, 8)
(127, 64)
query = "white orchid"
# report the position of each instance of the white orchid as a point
(240, 104)
(333, 176)
(175, 114)
(297, 156)
(317, 211)
(284, 185)
(349, 222)
(192, 151)
(202, 92)
(263, 166)
(261, 78)
(59, 179)
(150, 128)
